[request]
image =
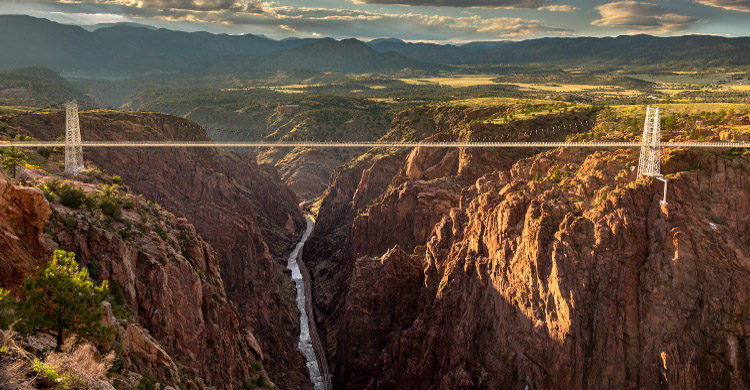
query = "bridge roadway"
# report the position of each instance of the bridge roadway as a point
(377, 144)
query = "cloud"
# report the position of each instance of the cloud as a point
(460, 3)
(283, 20)
(559, 8)
(734, 5)
(638, 16)
(160, 6)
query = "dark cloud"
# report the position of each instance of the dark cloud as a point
(462, 3)
(199, 5)
(734, 5)
(638, 16)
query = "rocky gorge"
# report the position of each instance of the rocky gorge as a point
(429, 268)
(555, 269)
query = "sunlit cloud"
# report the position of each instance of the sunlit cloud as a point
(559, 8)
(734, 5)
(638, 16)
(460, 3)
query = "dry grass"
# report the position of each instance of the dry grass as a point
(16, 365)
(76, 367)
(680, 108)
(82, 363)
(456, 81)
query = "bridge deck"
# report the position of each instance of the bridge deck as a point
(304, 144)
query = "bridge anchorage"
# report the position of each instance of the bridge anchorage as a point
(649, 162)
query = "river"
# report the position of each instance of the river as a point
(305, 340)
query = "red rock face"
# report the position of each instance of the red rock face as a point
(238, 207)
(558, 270)
(173, 288)
(23, 213)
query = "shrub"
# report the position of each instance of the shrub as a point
(71, 196)
(70, 222)
(110, 207)
(49, 195)
(116, 179)
(147, 382)
(160, 231)
(128, 204)
(6, 309)
(61, 298)
(556, 176)
(115, 291)
(45, 152)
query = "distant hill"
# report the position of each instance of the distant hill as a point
(122, 50)
(691, 50)
(429, 52)
(326, 55)
(37, 86)
(94, 27)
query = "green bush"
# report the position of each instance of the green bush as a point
(110, 207)
(115, 291)
(49, 195)
(556, 176)
(128, 204)
(147, 382)
(70, 222)
(6, 308)
(71, 196)
(116, 179)
(45, 152)
(91, 201)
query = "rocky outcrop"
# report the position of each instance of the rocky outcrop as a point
(240, 208)
(550, 270)
(23, 213)
(171, 286)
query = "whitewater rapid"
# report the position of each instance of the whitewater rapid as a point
(305, 341)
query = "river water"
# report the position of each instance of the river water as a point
(305, 341)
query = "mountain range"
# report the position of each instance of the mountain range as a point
(126, 49)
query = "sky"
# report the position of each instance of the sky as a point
(441, 21)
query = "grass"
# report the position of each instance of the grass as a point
(455, 81)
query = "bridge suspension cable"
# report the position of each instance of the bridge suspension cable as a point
(376, 144)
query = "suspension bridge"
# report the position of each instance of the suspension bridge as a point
(649, 163)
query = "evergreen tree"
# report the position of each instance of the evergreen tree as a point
(13, 157)
(62, 298)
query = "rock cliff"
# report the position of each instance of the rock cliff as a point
(240, 208)
(168, 305)
(553, 269)
(23, 213)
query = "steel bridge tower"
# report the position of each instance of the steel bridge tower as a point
(73, 149)
(649, 163)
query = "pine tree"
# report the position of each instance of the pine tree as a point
(13, 157)
(61, 298)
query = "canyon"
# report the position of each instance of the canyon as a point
(428, 268)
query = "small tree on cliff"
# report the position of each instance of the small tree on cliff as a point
(12, 158)
(61, 298)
